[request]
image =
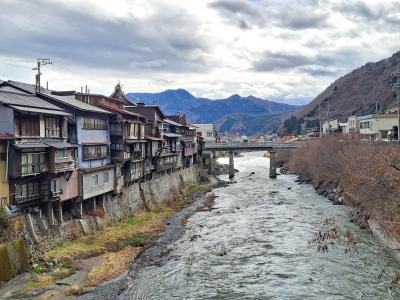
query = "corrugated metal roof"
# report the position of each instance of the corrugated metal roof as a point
(171, 135)
(173, 123)
(153, 138)
(30, 88)
(40, 110)
(77, 104)
(31, 145)
(61, 145)
(9, 88)
(26, 100)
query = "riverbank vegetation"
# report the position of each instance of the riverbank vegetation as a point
(101, 255)
(367, 174)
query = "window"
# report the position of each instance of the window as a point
(95, 152)
(52, 127)
(55, 185)
(105, 177)
(33, 163)
(94, 123)
(96, 179)
(27, 125)
(209, 134)
(61, 153)
(27, 190)
(117, 147)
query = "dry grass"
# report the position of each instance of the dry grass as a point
(41, 282)
(113, 264)
(113, 237)
(75, 290)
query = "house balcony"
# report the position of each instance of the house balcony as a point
(61, 165)
(166, 162)
(190, 151)
(27, 198)
(34, 169)
(120, 155)
(55, 195)
(116, 130)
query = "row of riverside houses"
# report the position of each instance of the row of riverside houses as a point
(371, 127)
(61, 152)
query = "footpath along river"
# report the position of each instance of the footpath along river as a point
(265, 226)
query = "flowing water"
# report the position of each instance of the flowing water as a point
(254, 244)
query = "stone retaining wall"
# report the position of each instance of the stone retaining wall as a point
(134, 198)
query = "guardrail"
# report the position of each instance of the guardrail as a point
(252, 145)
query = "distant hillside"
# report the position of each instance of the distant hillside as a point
(239, 124)
(358, 92)
(203, 110)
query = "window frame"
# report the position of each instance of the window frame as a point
(93, 152)
(52, 127)
(92, 123)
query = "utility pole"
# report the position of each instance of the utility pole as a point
(40, 62)
(396, 88)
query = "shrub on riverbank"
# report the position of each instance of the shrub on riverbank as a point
(367, 173)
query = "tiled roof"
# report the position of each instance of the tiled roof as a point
(120, 111)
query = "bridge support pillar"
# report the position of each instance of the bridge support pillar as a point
(231, 165)
(212, 163)
(272, 164)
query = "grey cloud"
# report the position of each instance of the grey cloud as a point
(280, 61)
(320, 71)
(325, 63)
(243, 13)
(167, 41)
(303, 20)
(381, 13)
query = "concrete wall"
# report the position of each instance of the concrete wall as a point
(13, 259)
(70, 186)
(92, 190)
(148, 194)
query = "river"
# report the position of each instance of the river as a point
(254, 244)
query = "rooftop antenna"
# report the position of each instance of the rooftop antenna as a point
(40, 62)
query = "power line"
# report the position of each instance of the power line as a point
(14, 65)
(15, 60)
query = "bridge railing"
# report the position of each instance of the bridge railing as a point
(250, 145)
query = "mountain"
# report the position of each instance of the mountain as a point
(234, 109)
(242, 124)
(357, 93)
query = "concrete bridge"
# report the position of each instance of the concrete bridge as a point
(271, 147)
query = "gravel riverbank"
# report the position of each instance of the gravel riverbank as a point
(156, 254)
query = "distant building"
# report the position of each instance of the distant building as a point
(353, 125)
(344, 127)
(378, 126)
(207, 132)
(330, 127)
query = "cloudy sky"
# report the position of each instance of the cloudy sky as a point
(276, 49)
